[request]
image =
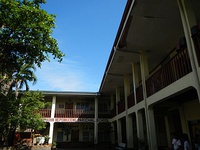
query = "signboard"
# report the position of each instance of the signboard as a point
(73, 120)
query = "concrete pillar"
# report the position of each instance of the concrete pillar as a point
(51, 132)
(129, 129)
(183, 120)
(126, 91)
(112, 102)
(53, 107)
(119, 131)
(144, 75)
(168, 132)
(188, 20)
(96, 122)
(112, 133)
(135, 80)
(117, 98)
(152, 129)
(128, 120)
(139, 123)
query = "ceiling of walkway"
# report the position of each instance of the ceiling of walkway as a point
(153, 26)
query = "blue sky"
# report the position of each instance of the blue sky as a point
(85, 32)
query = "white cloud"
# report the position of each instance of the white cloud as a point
(65, 76)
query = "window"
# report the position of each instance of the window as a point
(61, 106)
(84, 106)
(85, 136)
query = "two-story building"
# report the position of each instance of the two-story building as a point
(76, 119)
(151, 85)
(153, 74)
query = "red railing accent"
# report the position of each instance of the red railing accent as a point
(73, 113)
(46, 113)
(177, 67)
(131, 100)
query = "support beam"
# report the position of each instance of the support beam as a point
(96, 122)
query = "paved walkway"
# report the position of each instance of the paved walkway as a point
(49, 148)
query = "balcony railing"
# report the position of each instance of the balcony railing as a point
(46, 113)
(139, 93)
(131, 100)
(121, 106)
(113, 112)
(174, 69)
(74, 113)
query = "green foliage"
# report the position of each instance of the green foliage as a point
(25, 33)
(23, 111)
(8, 114)
(24, 74)
(46, 139)
(53, 143)
(30, 104)
(25, 41)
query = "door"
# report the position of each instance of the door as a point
(68, 105)
(69, 110)
(75, 135)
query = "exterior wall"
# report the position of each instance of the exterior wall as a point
(90, 126)
(173, 108)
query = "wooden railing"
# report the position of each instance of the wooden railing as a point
(174, 69)
(139, 93)
(46, 113)
(113, 112)
(121, 106)
(131, 100)
(73, 113)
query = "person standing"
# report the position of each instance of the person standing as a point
(186, 142)
(176, 142)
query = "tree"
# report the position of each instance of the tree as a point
(25, 41)
(8, 113)
(21, 78)
(25, 33)
(30, 104)
(22, 111)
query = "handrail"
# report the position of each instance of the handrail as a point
(177, 67)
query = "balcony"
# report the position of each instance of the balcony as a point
(174, 69)
(67, 113)
(177, 67)
(121, 106)
(45, 113)
(74, 113)
(131, 100)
